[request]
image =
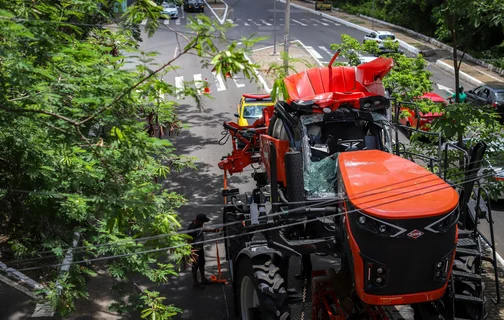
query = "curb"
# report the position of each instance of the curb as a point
(464, 76)
(402, 44)
(309, 52)
(261, 79)
(20, 277)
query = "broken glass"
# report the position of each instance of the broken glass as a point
(320, 177)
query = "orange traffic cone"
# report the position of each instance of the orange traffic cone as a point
(228, 74)
(207, 88)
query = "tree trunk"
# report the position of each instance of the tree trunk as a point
(456, 69)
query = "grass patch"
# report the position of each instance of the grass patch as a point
(355, 21)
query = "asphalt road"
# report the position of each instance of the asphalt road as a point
(203, 185)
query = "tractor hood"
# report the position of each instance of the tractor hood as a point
(327, 85)
(390, 187)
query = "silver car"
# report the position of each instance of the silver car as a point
(380, 37)
(170, 11)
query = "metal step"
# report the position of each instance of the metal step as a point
(466, 298)
(466, 242)
(466, 275)
(464, 233)
(467, 252)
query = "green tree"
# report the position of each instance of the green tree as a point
(461, 20)
(75, 153)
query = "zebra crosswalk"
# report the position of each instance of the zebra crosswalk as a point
(215, 82)
(255, 22)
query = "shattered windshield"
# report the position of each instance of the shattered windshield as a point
(321, 147)
(253, 111)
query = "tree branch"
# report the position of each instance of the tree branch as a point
(122, 95)
(58, 116)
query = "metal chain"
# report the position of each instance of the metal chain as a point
(304, 299)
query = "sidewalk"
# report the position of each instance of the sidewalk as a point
(470, 72)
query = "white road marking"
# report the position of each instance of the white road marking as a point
(257, 24)
(304, 25)
(314, 52)
(229, 20)
(189, 21)
(238, 81)
(336, 24)
(198, 82)
(441, 87)
(199, 21)
(315, 24)
(322, 23)
(266, 23)
(166, 22)
(176, 52)
(143, 23)
(179, 86)
(281, 24)
(246, 24)
(177, 22)
(219, 82)
(326, 50)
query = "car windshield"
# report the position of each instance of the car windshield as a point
(253, 111)
(170, 6)
(499, 97)
(387, 37)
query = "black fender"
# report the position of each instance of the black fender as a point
(251, 251)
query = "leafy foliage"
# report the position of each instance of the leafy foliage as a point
(83, 138)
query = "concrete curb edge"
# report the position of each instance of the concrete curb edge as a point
(20, 277)
(464, 76)
(261, 79)
(309, 52)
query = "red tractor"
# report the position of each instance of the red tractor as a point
(330, 185)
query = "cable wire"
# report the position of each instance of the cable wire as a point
(444, 185)
(312, 203)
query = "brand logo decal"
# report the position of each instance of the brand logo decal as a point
(415, 234)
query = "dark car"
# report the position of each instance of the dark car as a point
(194, 5)
(489, 94)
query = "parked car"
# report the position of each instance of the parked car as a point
(170, 11)
(194, 5)
(380, 37)
(490, 94)
(422, 120)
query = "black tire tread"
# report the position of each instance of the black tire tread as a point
(271, 291)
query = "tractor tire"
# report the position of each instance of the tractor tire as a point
(236, 243)
(261, 290)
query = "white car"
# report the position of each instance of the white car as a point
(170, 10)
(380, 37)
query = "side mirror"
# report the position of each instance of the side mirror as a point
(470, 91)
(237, 115)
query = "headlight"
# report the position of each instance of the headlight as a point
(445, 223)
(379, 227)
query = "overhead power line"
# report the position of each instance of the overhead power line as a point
(443, 185)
